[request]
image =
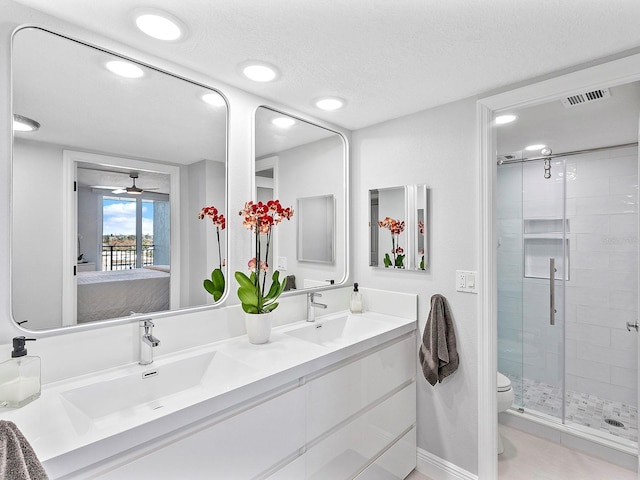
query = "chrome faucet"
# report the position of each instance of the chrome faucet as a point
(312, 305)
(147, 342)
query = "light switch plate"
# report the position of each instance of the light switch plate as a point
(466, 281)
(282, 263)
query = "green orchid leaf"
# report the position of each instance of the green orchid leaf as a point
(245, 281)
(275, 290)
(212, 290)
(209, 286)
(387, 260)
(248, 295)
(249, 308)
(270, 307)
(217, 277)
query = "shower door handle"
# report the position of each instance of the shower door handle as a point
(632, 325)
(552, 291)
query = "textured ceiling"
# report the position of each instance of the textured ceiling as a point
(606, 122)
(386, 58)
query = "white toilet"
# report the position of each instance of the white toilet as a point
(505, 400)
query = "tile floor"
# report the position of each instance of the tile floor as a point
(527, 457)
(581, 408)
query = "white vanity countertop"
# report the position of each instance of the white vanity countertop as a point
(66, 436)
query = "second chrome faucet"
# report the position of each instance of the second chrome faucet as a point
(147, 342)
(312, 305)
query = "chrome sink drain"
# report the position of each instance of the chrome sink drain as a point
(614, 423)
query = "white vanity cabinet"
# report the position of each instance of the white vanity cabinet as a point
(352, 417)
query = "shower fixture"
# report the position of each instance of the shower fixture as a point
(547, 163)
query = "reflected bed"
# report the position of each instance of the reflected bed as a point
(118, 293)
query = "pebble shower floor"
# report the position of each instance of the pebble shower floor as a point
(580, 408)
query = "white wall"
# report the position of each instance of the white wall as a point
(435, 147)
(90, 225)
(309, 171)
(203, 184)
(37, 257)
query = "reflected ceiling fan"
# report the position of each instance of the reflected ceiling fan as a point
(133, 189)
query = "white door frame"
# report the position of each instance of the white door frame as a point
(617, 72)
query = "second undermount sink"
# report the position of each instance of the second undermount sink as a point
(137, 389)
(339, 331)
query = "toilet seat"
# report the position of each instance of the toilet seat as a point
(504, 384)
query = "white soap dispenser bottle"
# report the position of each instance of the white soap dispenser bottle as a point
(19, 376)
(355, 304)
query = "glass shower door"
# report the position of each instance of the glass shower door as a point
(546, 253)
(533, 256)
(510, 275)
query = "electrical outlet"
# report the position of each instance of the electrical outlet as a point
(466, 281)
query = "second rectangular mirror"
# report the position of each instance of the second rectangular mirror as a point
(398, 227)
(304, 166)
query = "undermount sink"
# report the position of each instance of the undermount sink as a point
(139, 389)
(339, 331)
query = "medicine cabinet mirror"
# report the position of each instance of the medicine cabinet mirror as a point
(106, 193)
(305, 167)
(398, 227)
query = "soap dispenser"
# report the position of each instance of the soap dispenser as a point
(19, 376)
(355, 305)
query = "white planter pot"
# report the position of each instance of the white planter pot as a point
(258, 327)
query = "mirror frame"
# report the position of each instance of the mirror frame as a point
(345, 189)
(411, 210)
(74, 153)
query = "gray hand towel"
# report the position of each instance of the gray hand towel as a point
(18, 461)
(438, 352)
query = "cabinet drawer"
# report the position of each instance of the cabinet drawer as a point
(396, 463)
(243, 446)
(344, 453)
(341, 393)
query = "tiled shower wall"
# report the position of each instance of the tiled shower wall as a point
(601, 292)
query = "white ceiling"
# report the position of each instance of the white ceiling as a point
(601, 123)
(386, 58)
(79, 104)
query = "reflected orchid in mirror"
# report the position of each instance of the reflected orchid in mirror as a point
(396, 227)
(215, 285)
(260, 218)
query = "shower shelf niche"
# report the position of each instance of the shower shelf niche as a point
(542, 240)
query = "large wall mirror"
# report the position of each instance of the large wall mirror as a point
(305, 167)
(398, 232)
(107, 191)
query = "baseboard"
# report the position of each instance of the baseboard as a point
(438, 469)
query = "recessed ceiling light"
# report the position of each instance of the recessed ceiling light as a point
(214, 99)
(329, 103)
(532, 148)
(125, 69)
(260, 72)
(24, 124)
(159, 26)
(508, 118)
(283, 122)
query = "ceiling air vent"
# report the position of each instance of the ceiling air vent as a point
(586, 97)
